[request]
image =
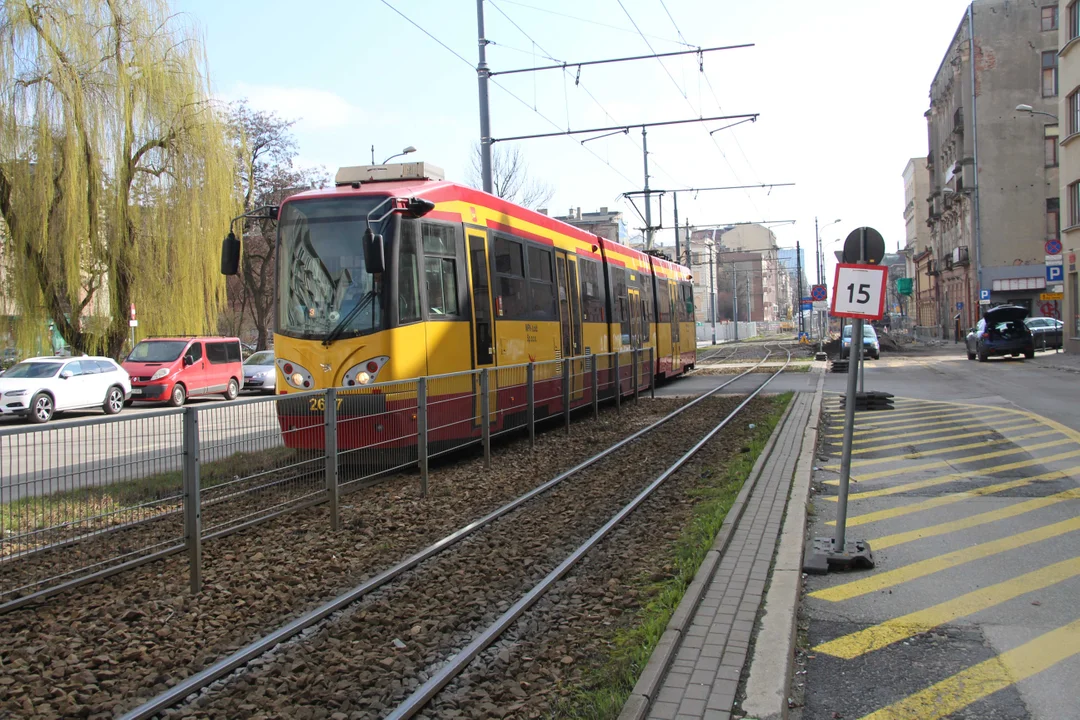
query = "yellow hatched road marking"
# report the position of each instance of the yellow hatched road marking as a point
(990, 516)
(962, 689)
(953, 461)
(882, 422)
(903, 627)
(934, 502)
(952, 421)
(922, 568)
(930, 441)
(943, 479)
(941, 451)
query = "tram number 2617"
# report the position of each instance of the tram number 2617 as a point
(318, 404)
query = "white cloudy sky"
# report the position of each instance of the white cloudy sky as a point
(840, 85)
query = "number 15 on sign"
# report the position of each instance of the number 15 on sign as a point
(859, 291)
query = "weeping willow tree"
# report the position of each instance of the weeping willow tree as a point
(116, 175)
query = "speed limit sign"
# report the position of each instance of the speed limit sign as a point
(859, 291)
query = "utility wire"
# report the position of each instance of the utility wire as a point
(593, 22)
(502, 87)
(681, 91)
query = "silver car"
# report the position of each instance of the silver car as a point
(260, 376)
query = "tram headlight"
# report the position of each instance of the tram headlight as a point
(297, 379)
(295, 375)
(363, 378)
(364, 373)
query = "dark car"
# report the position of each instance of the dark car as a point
(1001, 332)
(1047, 332)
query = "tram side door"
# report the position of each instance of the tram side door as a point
(483, 318)
(636, 327)
(566, 270)
(673, 298)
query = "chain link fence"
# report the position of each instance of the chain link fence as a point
(85, 499)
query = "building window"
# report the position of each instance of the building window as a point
(1049, 74)
(1050, 142)
(1074, 112)
(1053, 221)
(1074, 204)
(1074, 19)
(1049, 18)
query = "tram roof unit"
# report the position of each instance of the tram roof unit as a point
(459, 203)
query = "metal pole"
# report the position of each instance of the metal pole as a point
(798, 281)
(617, 384)
(687, 236)
(530, 402)
(735, 297)
(635, 373)
(712, 296)
(330, 457)
(566, 374)
(192, 504)
(652, 372)
(595, 389)
(422, 433)
(485, 419)
(482, 74)
(845, 458)
(648, 205)
(678, 256)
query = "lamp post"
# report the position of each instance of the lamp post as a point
(1032, 111)
(406, 151)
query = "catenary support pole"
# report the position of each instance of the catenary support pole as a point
(648, 203)
(482, 74)
(675, 200)
(712, 297)
(735, 297)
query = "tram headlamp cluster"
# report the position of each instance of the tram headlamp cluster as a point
(295, 375)
(364, 373)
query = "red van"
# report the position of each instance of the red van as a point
(173, 369)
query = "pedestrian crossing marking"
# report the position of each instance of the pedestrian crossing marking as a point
(922, 568)
(934, 502)
(941, 451)
(968, 686)
(866, 477)
(983, 518)
(900, 628)
(930, 441)
(943, 479)
(956, 422)
(893, 420)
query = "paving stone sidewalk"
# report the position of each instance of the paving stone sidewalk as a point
(694, 672)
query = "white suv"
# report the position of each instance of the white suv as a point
(39, 387)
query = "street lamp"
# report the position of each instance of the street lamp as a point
(1028, 109)
(406, 151)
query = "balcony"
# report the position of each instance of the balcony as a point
(933, 268)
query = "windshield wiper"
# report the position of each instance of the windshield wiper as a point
(334, 334)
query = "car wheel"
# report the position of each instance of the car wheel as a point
(1030, 354)
(41, 408)
(982, 356)
(233, 390)
(971, 355)
(114, 401)
(178, 396)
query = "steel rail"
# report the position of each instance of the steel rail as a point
(415, 702)
(244, 655)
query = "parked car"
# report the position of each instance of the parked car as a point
(870, 342)
(1001, 332)
(1046, 331)
(173, 369)
(260, 375)
(40, 387)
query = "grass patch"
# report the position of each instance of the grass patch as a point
(605, 689)
(141, 498)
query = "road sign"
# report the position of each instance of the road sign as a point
(819, 292)
(875, 246)
(1053, 247)
(1054, 273)
(1052, 296)
(133, 323)
(859, 291)
(821, 305)
(959, 306)
(1055, 260)
(806, 306)
(984, 295)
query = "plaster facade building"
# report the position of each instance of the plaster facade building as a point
(922, 306)
(739, 251)
(993, 199)
(1068, 22)
(607, 224)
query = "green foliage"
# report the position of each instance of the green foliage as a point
(609, 685)
(116, 174)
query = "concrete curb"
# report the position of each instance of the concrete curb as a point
(648, 683)
(769, 680)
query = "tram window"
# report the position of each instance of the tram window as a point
(664, 303)
(511, 298)
(592, 291)
(618, 278)
(441, 278)
(508, 259)
(541, 287)
(439, 239)
(408, 276)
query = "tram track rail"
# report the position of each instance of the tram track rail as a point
(325, 615)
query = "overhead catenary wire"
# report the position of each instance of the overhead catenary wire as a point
(592, 22)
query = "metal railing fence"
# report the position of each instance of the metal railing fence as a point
(85, 499)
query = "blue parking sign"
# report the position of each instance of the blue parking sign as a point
(1055, 273)
(984, 295)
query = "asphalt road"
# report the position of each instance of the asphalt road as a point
(969, 494)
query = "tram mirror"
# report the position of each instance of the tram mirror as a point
(374, 252)
(230, 254)
(418, 207)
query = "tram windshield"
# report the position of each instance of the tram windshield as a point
(323, 285)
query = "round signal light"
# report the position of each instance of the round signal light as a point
(372, 367)
(288, 368)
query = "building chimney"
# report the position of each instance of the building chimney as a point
(542, 211)
(579, 213)
(603, 210)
